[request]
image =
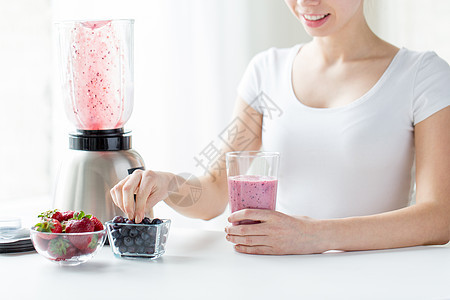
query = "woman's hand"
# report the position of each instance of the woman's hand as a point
(148, 186)
(276, 234)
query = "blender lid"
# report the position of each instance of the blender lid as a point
(100, 140)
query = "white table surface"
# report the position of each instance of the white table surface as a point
(201, 264)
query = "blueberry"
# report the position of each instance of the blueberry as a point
(157, 221)
(146, 220)
(132, 249)
(123, 249)
(151, 230)
(138, 241)
(130, 222)
(115, 233)
(140, 250)
(141, 229)
(118, 219)
(118, 242)
(133, 232)
(128, 241)
(150, 250)
(149, 243)
(145, 236)
(124, 231)
(117, 226)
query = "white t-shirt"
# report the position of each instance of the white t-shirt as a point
(352, 160)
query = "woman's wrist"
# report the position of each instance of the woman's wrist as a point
(315, 236)
(326, 232)
(164, 182)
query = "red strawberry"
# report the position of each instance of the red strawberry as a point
(98, 225)
(92, 245)
(58, 216)
(61, 249)
(80, 223)
(67, 215)
(54, 214)
(48, 225)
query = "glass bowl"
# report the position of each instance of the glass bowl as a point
(68, 249)
(138, 241)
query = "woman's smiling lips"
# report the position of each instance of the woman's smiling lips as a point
(315, 20)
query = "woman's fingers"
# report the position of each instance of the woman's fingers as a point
(117, 198)
(251, 214)
(116, 193)
(248, 229)
(147, 185)
(248, 240)
(277, 234)
(137, 193)
(273, 235)
(254, 249)
(128, 191)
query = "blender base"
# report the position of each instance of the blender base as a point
(86, 178)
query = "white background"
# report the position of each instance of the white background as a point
(189, 57)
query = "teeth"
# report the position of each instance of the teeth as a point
(314, 17)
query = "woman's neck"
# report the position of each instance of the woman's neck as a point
(354, 41)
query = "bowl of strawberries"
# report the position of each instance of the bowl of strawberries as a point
(68, 238)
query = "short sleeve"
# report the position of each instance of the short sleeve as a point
(431, 87)
(249, 87)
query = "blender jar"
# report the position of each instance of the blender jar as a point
(97, 72)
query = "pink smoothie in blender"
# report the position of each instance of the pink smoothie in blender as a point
(96, 64)
(98, 77)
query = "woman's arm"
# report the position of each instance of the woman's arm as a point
(214, 194)
(151, 187)
(426, 222)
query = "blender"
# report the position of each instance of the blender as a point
(96, 64)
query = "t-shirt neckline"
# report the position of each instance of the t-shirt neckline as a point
(355, 102)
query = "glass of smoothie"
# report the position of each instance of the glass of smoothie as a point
(252, 180)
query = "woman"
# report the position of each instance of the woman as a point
(358, 116)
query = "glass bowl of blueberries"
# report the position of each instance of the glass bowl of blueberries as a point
(146, 240)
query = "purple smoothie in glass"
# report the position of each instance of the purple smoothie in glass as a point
(252, 191)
